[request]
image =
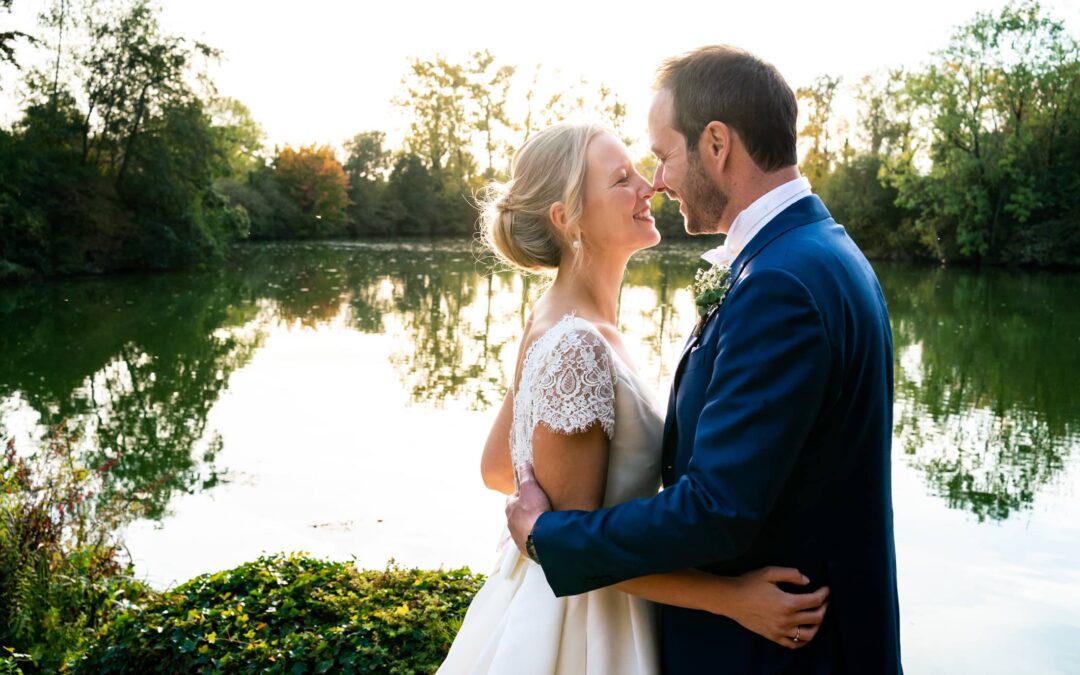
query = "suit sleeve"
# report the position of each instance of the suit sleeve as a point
(767, 387)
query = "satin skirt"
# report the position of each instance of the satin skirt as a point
(516, 626)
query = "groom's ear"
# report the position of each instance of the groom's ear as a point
(715, 144)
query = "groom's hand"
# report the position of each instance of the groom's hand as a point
(524, 508)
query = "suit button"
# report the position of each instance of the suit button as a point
(668, 467)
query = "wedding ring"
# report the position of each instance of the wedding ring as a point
(798, 632)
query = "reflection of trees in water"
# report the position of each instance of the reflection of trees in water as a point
(455, 324)
(984, 402)
(656, 319)
(458, 327)
(984, 405)
(137, 363)
(461, 323)
(449, 320)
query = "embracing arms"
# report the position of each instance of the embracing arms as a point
(574, 469)
(571, 465)
(768, 383)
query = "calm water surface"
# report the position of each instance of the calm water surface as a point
(334, 398)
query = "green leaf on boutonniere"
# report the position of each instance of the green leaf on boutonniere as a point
(709, 287)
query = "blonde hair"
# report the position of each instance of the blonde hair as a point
(548, 168)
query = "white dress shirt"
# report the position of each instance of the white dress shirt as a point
(756, 216)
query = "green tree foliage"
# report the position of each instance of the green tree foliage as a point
(413, 197)
(8, 38)
(489, 87)
(818, 99)
(112, 168)
(239, 137)
(1004, 104)
(367, 164)
(436, 93)
(122, 161)
(974, 158)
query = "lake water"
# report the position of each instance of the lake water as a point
(334, 398)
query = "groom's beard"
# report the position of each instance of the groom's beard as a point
(704, 201)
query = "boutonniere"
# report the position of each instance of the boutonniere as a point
(709, 288)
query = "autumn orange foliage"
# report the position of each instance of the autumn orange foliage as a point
(318, 183)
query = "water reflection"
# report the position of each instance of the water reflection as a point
(987, 405)
(985, 409)
(135, 364)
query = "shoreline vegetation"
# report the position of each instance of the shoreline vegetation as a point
(126, 157)
(70, 602)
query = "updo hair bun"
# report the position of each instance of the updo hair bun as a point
(514, 216)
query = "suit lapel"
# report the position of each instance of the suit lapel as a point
(807, 210)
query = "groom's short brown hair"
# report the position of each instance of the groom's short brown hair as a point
(730, 85)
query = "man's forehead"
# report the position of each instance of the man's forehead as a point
(661, 118)
(662, 109)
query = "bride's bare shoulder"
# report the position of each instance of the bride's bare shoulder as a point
(540, 321)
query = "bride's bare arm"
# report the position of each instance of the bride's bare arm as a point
(571, 469)
(753, 600)
(496, 466)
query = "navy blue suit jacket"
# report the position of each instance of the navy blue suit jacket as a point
(776, 452)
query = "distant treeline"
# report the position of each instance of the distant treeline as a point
(973, 158)
(125, 157)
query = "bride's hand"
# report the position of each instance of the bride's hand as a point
(756, 602)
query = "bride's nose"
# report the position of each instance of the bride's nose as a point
(645, 189)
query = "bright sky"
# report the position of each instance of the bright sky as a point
(320, 71)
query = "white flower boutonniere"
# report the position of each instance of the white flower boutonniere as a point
(709, 288)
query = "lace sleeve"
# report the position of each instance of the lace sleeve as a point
(576, 385)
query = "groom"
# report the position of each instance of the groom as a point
(777, 440)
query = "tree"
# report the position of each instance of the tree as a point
(489, 86)
(367, 164)
(239, 136)
(612, 111)
(577, 100)
(436, 96)
(1003, 101)
(818, 100)
(366, 157)
(885, 123)
(413, 196)
(317, 183)
(113, 163)
(126, 71)
(8, 38)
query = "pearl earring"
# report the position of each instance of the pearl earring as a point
(576, 244)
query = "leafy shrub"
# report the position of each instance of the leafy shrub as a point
(61, 573)
(291, 614)
(8, 664)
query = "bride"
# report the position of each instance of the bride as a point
(584, 418)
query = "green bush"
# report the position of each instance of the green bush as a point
(291, 614)
(8, 665)
(62, 574)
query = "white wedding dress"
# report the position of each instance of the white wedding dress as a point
(571, 378)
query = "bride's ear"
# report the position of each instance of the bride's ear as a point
(557, 214)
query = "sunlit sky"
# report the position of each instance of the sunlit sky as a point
(320, 71)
